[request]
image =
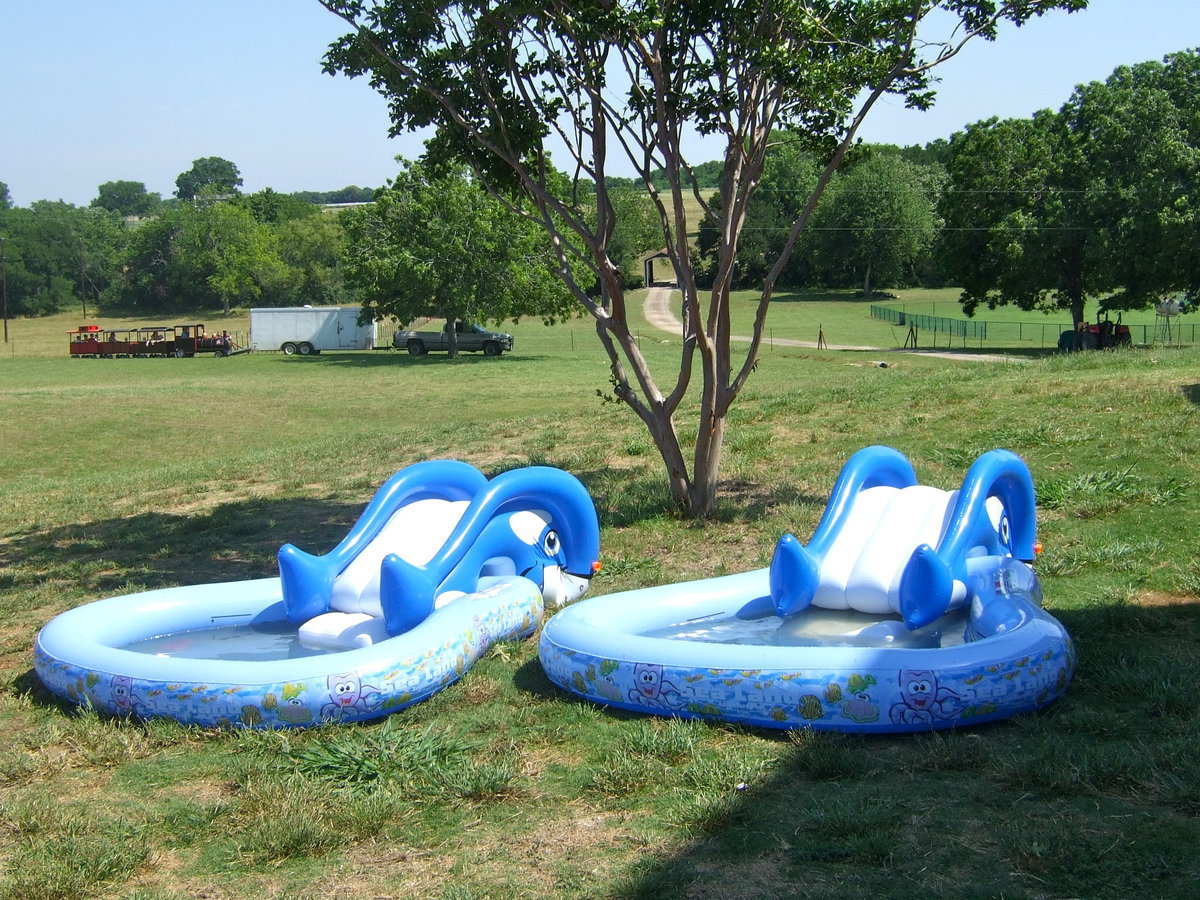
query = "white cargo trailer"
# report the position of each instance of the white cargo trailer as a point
(309, 329)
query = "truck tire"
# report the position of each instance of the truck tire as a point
(306, 349)
(491, 348)
(416, 348)
(289, 349)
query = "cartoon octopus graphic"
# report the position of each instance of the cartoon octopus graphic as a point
(348, 695)
(652, 689)
(922, 699)
(124, 700)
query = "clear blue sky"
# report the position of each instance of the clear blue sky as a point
(136, 89)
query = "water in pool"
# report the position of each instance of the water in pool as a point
(259, 642)
(816, 628)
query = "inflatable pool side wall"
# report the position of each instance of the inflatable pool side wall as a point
(1014, 658)
(308, 580)
(795, 568)
(79, 656)
(929, 583)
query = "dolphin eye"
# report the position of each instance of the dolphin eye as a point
(551, 543)
(1004, 532)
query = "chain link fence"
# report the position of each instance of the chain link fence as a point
(937, 330)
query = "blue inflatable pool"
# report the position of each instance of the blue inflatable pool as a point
(910, 609)
(440, 565)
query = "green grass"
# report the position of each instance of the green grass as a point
(123, 475)
(844, 320)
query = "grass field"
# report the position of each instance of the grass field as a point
(845, 320)
(125, 475)
(803, 316)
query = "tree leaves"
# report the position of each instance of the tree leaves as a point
(626, 84)
(1097, 200)
(439, 245)
(211, 175)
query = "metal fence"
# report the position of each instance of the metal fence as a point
(963, 328)
(1039, 334)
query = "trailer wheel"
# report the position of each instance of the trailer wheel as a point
(179, 354)
(491, 348)
(289, 349)
(306, 349)
(217, 354)
(416, 348)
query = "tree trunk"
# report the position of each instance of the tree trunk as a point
(1077, 311)
(451, 339)
(703, 495)
(867, 282)
(666, 440)
(695, 492)
(694, 487)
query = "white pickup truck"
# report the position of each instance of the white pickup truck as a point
(470, 338)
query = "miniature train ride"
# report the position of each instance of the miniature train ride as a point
(178, 341)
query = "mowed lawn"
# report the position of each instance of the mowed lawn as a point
(126, 475)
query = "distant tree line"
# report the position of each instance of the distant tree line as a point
(434, 245)
(876, 225)
(212, 246)
(209, 246)
(1097, 200)
(351, 194)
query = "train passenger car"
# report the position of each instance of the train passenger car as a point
(90, 341)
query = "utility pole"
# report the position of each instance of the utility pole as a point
(82, 294)
(4, 282)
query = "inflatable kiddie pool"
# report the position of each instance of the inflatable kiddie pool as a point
(440, 565)
(910, 609)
